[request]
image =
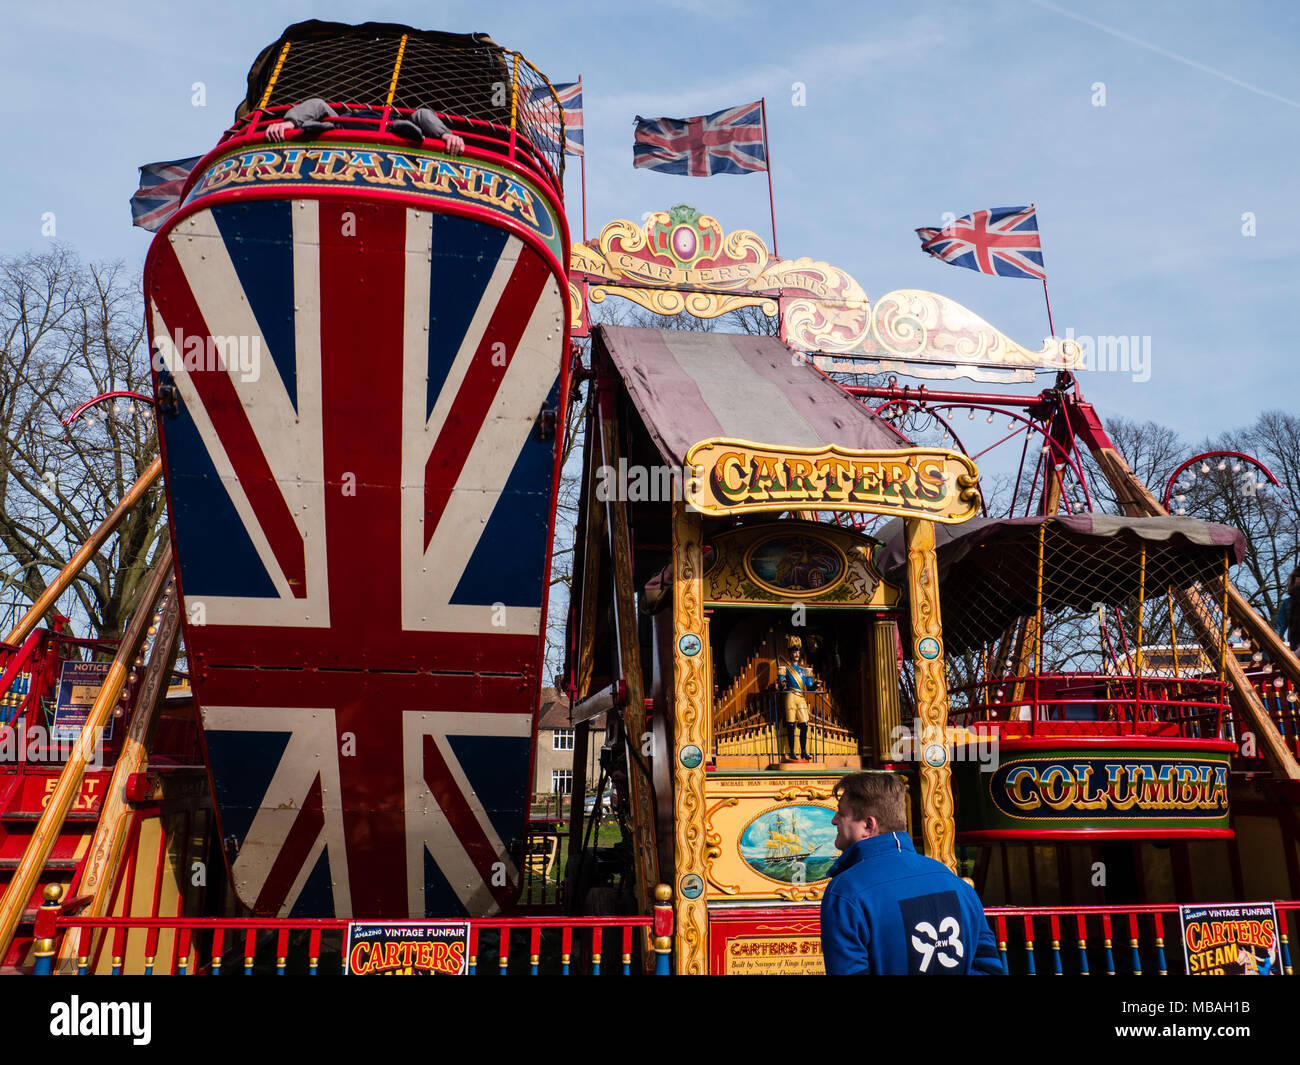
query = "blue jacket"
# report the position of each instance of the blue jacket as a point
(891, 911)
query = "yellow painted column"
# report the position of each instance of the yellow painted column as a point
(937, 825)
(691, 731)
(886, 709)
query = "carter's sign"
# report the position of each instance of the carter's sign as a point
(736, 477)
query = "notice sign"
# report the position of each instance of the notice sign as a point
(79, 685)
(762, 942)
(774, 956)
(1239, 939)
(408, 948)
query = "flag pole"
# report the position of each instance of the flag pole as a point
(1046, 296)
(767, 153)
(583, 165)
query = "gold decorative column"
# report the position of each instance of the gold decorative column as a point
(931, 693)
(690, 704)
(886, 712)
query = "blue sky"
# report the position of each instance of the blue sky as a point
(912, 109)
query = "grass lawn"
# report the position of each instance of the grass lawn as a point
(537, 891)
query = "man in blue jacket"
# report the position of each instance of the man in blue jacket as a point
(887, 909)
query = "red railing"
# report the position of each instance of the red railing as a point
(369, 122)
(1092, 940)
(1032, 940)
(549, 945)
(1114, 705)
(1280, 703)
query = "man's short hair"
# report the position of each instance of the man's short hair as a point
(879, 795)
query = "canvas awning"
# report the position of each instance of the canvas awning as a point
(688, 387)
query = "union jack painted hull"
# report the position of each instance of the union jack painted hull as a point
(362, 491)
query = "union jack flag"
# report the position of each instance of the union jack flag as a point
(725, 142)
(160, 192)
(547, 118)
(1002, 241)
(361, 505)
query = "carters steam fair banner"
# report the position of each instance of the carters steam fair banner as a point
(1239, 939)
(408, 948)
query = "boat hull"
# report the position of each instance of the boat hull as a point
(355, 388)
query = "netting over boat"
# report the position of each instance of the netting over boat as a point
(462, 76)
(1051, 603)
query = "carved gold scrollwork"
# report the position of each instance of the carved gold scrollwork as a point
(937, 825)
(691, 711)
(795, 894)
(823, 308)
(713, 851)
(681, 260)
(809, 792)
(923, 326)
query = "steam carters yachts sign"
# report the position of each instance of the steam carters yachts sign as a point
(737, 476)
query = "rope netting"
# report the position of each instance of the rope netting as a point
(1048, 604)
(468, 81)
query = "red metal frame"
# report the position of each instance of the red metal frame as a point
(185, 929)
(1146, 706)
(925, 403)
(119, 394)
(1169, 486)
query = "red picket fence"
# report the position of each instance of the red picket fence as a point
(186, 946)
(1111, 940)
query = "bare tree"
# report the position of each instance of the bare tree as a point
(1234, 493)
(70, 331)
(1224, 490)
(1151, 449)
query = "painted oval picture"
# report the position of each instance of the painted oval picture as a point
(792, 565)
(791, 844)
